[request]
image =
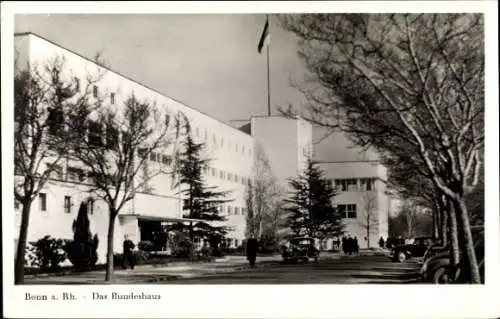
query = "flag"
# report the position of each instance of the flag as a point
(265, 38)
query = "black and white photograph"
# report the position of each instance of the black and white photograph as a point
(162, 151)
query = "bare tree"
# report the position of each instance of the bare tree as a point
(262, 195)
(45, 97)
(115, 145)
(369, 219)
(405, 84)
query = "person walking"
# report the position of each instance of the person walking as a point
(381, 242)
(128, 254)
(355, 245)
(252, 246)
(344, 245)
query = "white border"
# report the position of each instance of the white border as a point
(320, 301)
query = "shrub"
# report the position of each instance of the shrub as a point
(146, 245)
(49, 251)
(82, 250)
(140, 258)
(30, 257)
(183, 249)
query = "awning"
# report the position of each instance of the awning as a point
(163, 219)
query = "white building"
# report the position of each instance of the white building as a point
(286, 142)
(362, 198)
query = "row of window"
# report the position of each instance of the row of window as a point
(42, 200)
(347, 210)
(220, 142)
(214, 172)
(232, 210)
(354, 184)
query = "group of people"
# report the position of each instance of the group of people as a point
(350, 245)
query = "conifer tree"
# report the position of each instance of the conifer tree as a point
(311, 212)
(202, 202)
(82, 251)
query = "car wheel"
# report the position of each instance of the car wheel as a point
(441, 276)
(401, 257)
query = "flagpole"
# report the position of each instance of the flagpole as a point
(268, 82)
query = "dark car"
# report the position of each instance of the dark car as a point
(415, 250)
(437, 269)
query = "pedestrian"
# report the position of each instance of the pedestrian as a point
(381, 242)
(344, 245)
(349, 245)
(355, 245)
(128, 254)
(252, 246)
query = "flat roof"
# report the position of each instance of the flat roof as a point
(163, 219)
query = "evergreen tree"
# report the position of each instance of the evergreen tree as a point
(201, 201)
(310, 205)
(82, 251)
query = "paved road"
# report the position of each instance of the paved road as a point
(330, 270)
(346, 270)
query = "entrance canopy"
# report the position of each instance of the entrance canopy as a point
(163, 219)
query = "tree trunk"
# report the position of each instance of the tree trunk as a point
(111, 236)
(435, 223)
(455, 249)
(470, 253)
(21, 244)
(443, 225)
(368, 235)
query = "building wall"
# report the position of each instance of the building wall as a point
(286, 143)
(355, 166)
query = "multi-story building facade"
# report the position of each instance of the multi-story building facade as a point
(361, 198)
(230, 150)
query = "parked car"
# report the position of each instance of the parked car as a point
(416, 249)
(438, 270)
(300, 249)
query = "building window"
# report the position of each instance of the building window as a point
(236, 210)
(236, 147)
(90, 207)
(367, 184)
(152, 156)
(243, 211)
(55, 120)
(75, 174)
(221, 174)
(236, 242)
(197, 132)
(77, 84)
(43, 201)
(229, 176)
(206, 135)
(347, 210)
(165, 159)
(229, 242)
(111, 137)
(215, 139)
(95, 134)
(228, 210)
(352, 185)
(56, 171)
(67, 204)
(221, 141)
(243, 149)
(214, 172)
(236, 178)
(96, 90)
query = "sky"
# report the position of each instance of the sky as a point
(207, 61)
